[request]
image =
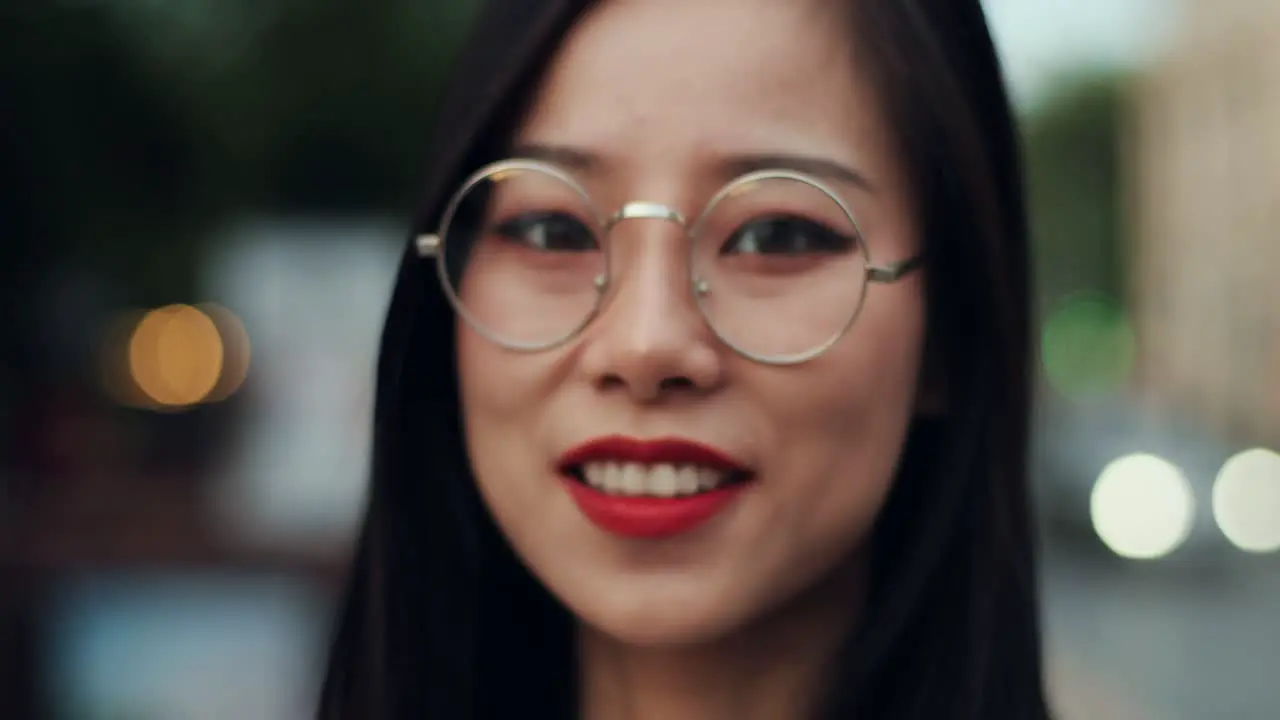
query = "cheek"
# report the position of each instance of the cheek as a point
(495, 400)
(479, 381)
(846, 426)
(501, 390)
(504, 398)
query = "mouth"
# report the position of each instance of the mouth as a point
(661, 480)
(651, 489)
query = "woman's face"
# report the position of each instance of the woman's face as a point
(654, 100)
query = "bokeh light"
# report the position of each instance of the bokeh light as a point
(1246, 500)
(1088, 346)
(175, 357)
(1142, 507)
(236, 352)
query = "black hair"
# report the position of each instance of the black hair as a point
(441, 620)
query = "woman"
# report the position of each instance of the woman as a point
(704, 388)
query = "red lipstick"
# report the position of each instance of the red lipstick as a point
(646, 516)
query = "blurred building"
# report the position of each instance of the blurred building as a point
(1205, 184)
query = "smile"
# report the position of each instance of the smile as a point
(650, 489)
(660, 480)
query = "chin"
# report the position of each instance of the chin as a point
(656, 620)
(662, 630)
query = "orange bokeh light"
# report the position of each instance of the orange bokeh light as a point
(175, 356)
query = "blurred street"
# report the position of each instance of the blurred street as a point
(1158, 644)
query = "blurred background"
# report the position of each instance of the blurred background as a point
(201, 206)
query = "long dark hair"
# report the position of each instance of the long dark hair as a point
(441, 620)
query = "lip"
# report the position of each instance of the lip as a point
(675, 451)
(650, 517)
(645, 516)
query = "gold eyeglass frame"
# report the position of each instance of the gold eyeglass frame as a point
(431, 246)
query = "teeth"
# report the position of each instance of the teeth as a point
(661, 480)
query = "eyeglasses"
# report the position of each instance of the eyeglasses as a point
(776, 263)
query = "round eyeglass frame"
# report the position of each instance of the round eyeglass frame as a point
(432, 245)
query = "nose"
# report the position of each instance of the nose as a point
(650, 340)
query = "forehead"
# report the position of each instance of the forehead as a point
(671, 80)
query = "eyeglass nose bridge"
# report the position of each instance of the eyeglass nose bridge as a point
(643, 210)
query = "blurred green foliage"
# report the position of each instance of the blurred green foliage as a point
(1075, 190)
(134, 129)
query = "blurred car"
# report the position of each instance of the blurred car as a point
(1118, 479)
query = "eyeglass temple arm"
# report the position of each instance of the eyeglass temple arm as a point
(893, 271)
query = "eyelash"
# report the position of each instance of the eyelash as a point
(828, 240)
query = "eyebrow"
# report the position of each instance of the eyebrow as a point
(742, 164)
(562, 155)
(730, 167)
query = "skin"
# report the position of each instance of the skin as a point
(735, 618)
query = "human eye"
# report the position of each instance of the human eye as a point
(786, 235)
(547, 231)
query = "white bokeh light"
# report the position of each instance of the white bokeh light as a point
(1142, 506)
(1246, 500)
